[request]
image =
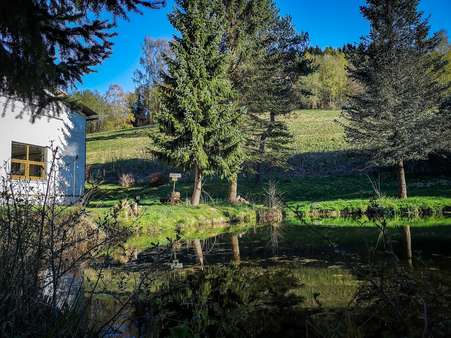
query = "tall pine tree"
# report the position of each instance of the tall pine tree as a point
(396, 115)
(197, 118)
(271, 92)
(246, 20)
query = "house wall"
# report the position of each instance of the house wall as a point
(65, 132)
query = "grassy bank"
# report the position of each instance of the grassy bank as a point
(313, 196)
(319, 147)
(388, 207)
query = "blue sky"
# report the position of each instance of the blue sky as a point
(328, 22)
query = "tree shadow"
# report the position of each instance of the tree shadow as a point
(127, 133)
(342, 162)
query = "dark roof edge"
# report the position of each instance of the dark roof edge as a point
(85, 110)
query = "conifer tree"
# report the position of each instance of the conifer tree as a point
(50, 45)
(197, 119)
(271, 92)
(246, 20)
(396, 115)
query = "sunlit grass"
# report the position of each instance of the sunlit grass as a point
(316, 131)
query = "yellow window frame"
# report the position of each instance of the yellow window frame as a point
(27, 164)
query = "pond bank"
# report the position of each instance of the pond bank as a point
(387, 207)
(160, 223)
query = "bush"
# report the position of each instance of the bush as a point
(127, 180)
(43, 246)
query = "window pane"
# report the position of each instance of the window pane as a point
(36, 170)
(19, 151)
(17, 169)
(36, 154)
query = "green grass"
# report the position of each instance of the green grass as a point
(315, 132)
(106, 147)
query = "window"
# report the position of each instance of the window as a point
(27, 161)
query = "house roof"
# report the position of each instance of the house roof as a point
(85, 110)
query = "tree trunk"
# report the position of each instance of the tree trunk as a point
(199, 253)
(261, 153)
(408, 244)
(195, 198)
(233, 192)
(262, 146)
(402, 180)
(235, 250)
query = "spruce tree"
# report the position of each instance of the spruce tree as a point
(50, 45)
(246, 20)
(197, 119)
(271, 93)
(396, 115)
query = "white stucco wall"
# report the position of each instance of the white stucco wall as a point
(67, 131)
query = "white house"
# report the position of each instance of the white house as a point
(27, 146)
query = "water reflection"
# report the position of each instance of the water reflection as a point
(325, 273)
(235, 249)
(199, 253)
(408, 244)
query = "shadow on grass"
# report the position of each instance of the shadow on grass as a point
(342, 162)
(127, 133)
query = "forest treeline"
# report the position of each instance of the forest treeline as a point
(327, 87)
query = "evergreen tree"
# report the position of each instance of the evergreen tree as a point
(50, 45)
(396, 116)
(271, 92)
(246, 20)
(197, 118)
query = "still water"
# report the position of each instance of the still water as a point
(325, 257)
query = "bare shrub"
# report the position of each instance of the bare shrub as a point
(43, 245)
(126, 208)
(127, 180)
(157, 179)
(273, 197)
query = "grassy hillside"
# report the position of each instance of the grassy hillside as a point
(316, 131)
(319, 147)
(318, 142)
(313, 130)
(106, 147)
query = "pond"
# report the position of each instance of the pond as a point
(320, 265)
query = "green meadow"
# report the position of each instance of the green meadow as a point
(315, 132)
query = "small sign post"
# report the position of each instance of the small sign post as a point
(174, 177)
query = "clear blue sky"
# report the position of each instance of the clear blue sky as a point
(328, 22)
